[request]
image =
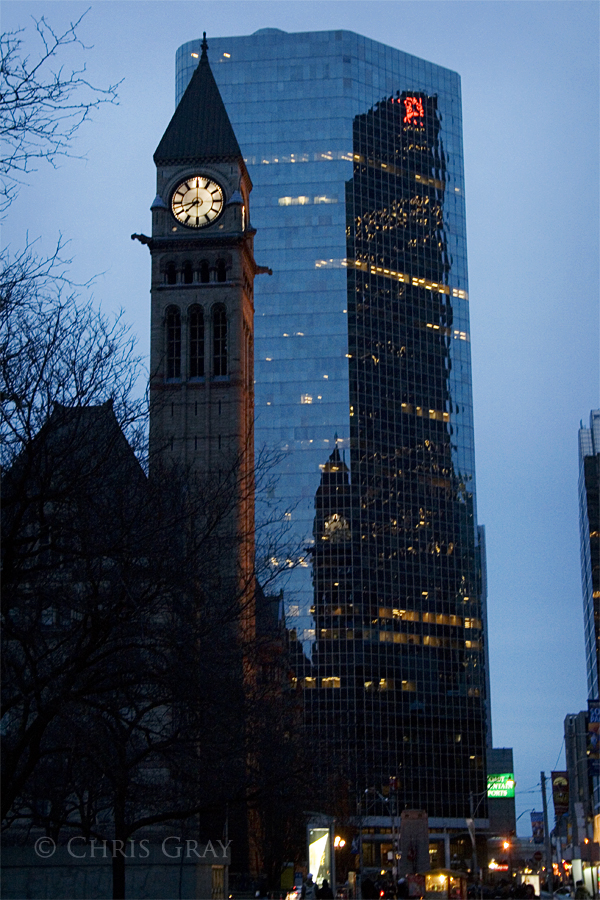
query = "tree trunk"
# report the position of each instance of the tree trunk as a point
(119, 845)
(118, 876)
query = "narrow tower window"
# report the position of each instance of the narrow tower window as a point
(204, 272)
(196, 342)
(171, 273)
(173, 325)
(188, 273)
(219, 340)
(221, 270)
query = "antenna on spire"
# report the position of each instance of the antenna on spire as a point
(204, 46)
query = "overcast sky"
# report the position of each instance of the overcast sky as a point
(530, 108)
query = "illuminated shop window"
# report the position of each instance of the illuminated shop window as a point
(173, 335)
(219, 322)
(196, 325)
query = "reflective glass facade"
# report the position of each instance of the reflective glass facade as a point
(363, 380)
(589, 528)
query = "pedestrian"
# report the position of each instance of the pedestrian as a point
(581, 892)
(403, 890)
(325, 893)
(309, 889)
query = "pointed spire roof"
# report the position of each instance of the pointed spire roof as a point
(200, 129)
(335, 462)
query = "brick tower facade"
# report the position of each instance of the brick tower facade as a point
(203, 268)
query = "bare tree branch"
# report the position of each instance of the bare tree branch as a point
(42, 103)
(54, 348)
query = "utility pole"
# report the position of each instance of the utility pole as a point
(473, 838)
(549, 871)
(360, 850)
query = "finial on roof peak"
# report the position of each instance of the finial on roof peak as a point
(204, 46)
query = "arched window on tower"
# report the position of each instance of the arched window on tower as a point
(188, 273)
(171, 273)
(221, 270)
(219, 322)
(196, 342)
(173, 329)
(204, 272)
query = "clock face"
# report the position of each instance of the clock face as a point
(337, 528)
(197, 201)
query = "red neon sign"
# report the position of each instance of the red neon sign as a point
(414, 108)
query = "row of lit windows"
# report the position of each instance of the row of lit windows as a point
(390, 273)
(331, 155)
(196, 342)
(306, 201)
(394, 637)
(411, 615)
(384, 684)
(402, 173)
(204, 273)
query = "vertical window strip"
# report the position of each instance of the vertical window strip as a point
(196, 342)
(219, 341)
(173, 321)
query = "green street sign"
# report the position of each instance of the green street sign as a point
(501, 785)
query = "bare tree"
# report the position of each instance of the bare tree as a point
(56, 348)
(42, 103)
(132, 696)
(118, 604)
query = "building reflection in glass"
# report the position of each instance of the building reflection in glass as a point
(398, 677)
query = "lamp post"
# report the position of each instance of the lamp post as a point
(472, 812)
(549, 872)
(361, 797)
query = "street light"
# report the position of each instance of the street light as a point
(395, 838)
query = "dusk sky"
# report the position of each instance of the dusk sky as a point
(530, 109)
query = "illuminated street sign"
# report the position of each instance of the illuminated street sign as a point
(501, 785)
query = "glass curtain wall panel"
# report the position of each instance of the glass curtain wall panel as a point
(363, 383)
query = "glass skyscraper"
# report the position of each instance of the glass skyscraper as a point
(589, 527)
(363, 382)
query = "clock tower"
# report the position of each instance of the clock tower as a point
(203, 268)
